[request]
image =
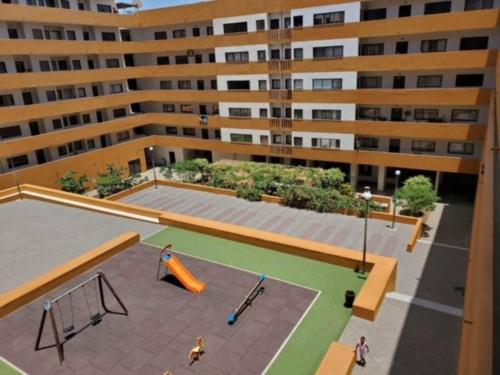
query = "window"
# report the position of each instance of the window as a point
(104, 8)
(370, 82)
(425, 114)
(160, 35)
(37, 34)
(3, 67)
(262, 84)
(186, 108)
(90, 144)
(235, 57)
(190, 132)
(275, 54)
(437, 7)
(326, 114)
(86, 118)
(115, 88)
(210, 30)
(371, 49)
(65, 4)
(240, 112)
(297, 141)
(264, 140)
(275, 84)
(77, 65)
(329, 18)
(298, 84)
(245, 138)
(119, 112)
(213, 84)
(10, 132)
(162, 60)
(374, 14)
(62, 150)
(166, 85)
(82, 93)
(274, 24)
(198, 59)
(184, 85)
(469, 80)
(17, 161)
(217, 133)
(298, 21)
(73, 120)
(464, 115)
(327, 84)
(404, 10)
(171, 130)
(460, 148)
(196, 31)
(478, 4)
(369, 113)
(298, 53)
(263, 112)
(423, 146)
(260, 25)
(298, 114)
(108, 37)
(51, 96)
(57, 123)
(27, 98)
(169, 108)
(44, 66)
(328, 52)
(479, 42)
(237, 27)
(430, 81)
(182, 59)
(112, 63)
(13, 34)
(181, 33)
(325, 143)
(261, 55)
(122, 136)
(211, 57)
(238, 85)
(435, 45)
(71, 35)
(367, 142)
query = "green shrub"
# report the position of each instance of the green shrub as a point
(417, 195)
(190, 170)
(72, 184)
(250, 194)
(112, 181)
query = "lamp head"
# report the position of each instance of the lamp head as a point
(398, 172)
(151, 148)
(367, 195)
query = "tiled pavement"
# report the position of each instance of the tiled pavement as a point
(340, 230)
(163, 323)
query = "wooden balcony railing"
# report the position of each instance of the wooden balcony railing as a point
(280, 94)
(279, 65)
(280, 123)
(284, 35)
(281, 150)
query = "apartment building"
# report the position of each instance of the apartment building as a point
(367, 86)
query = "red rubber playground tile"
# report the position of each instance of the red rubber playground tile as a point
(163, 322)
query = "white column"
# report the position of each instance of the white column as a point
(381, 178)
(354, 175)
(436, 183)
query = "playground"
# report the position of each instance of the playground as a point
(257, 310)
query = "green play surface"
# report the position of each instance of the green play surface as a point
(6, 369)
(326, 319)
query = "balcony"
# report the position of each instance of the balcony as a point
(280, 94)
(276, 66)
(279, 36)
(281, 150)
(280, 123)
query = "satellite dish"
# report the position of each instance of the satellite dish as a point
(137, 4)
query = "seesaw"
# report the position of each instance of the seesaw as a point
(257, 288)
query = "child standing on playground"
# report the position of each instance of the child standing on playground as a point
(198, 350)
(363, 348)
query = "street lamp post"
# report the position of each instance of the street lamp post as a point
(394, 198)
(367, 196)
(151, 148)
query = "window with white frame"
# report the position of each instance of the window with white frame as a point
(369, 113)
(329, 18)
(240, 112)
(326, 114)
(460, 148)
(115, 88)
(430, 81)
(328, 52)
(327, 84)
(370, 82)
(434, 45)
(426, 114)
(325, 143)
(244, 138)
(423, 146)
(235, 57)
(464, 115)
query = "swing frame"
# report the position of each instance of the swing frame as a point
(100, 277)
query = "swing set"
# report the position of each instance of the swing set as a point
(69, 330)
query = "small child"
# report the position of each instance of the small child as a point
(362, 346)
(197, 351)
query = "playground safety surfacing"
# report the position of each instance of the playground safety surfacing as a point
(163, 323)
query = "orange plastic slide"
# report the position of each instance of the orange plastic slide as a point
(175, 266)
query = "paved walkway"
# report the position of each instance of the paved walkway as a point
(36, 237)
(163, 323)
(418, 327)
(339, 230)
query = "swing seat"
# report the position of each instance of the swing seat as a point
(69, 332)
(96, 319)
